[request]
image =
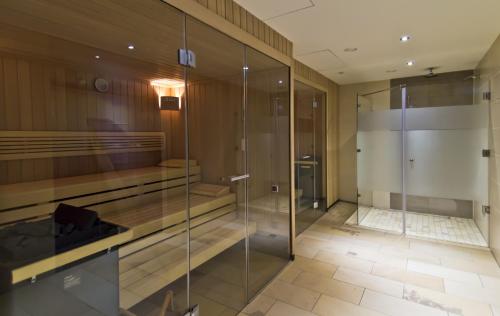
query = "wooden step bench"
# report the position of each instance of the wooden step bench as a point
(145, 272)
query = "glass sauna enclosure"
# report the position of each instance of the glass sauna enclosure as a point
(310, 186)
(422, 164)
(144, 162)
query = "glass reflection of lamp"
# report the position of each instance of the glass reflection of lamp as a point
(169, 93)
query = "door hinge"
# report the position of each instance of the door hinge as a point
(358, 150)
(486, 153)
(486, 209)
(187, 58)
(486, 96)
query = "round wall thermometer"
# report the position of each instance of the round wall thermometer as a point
(101, 85)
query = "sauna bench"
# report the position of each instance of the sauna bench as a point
(156, 216)
(143, 200)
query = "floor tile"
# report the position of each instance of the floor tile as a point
(292, 294)
(447, 228)
(445, 273)
(477, 293)
(315, 266)
(392, 306)
(446, 302)
(260, 305)
(345, 261)
(370, 281)
(289, 274)
(404, 276)
(283, 309)
(330, 306)
(330, 287)
(490, 282)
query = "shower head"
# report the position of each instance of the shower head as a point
(431, 73)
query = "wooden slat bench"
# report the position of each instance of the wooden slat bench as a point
(150, 202)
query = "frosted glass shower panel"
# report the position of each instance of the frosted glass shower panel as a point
(379, 151)
(444, 152)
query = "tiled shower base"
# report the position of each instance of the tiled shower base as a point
(453, 229)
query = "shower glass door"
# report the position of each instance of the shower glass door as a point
(446, 169)
(379, 156)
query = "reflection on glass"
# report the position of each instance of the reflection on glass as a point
(216, 145)
(100, 135)
(379, 163)
(310, 196)
(87, 159)
(268, 112)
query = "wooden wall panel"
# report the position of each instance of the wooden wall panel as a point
(232, 12)
(311, 77)
(39, 95)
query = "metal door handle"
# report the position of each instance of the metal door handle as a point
(238, 178)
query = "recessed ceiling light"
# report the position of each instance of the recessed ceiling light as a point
(131, 47)
(405, 38)
(280, 81)
(97, 57)
(341, 72)
(410, 63)
(391, 70)
(350, 49)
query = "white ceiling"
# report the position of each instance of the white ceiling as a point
(449, 34)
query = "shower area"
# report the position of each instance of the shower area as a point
(422, 159)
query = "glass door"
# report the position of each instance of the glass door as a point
(310, 202)
(446, 166)
(379, 155)
(268, 128)
(218, 146)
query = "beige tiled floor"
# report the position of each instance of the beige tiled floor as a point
(342, 270)
(453, 229)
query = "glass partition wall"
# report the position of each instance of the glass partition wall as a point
(421, 165)
(379, 156)
(144, 167)
(310, 195)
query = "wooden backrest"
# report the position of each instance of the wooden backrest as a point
(29, 200)
(19, 145)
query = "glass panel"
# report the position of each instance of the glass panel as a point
(217, 146)
(445, 168)
(82, 88)
(310, 197)
(268, 126)
(379, 146)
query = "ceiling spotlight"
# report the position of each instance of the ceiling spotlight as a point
(280, 82)
(131, 47)
(410, 63)
(405, 38)
(97, 57)
(350, 49)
